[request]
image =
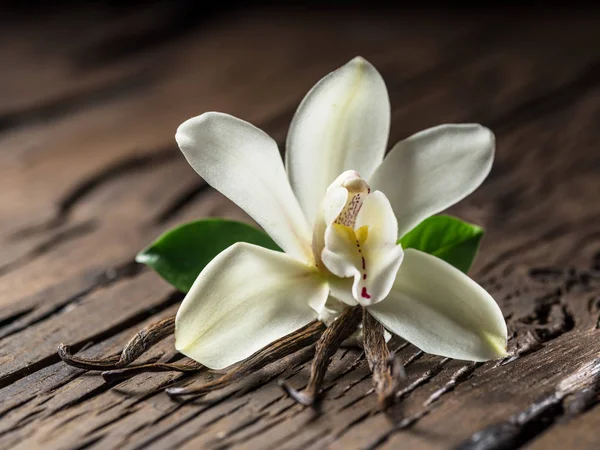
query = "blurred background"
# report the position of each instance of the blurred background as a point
(85, 80)
(91, 94)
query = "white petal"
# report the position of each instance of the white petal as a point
(340, 255)
(373, 262)
(442, 311)
(434, 169)
(333, 203)
(376, 213)
(244, 299)
(381, 251)
(342, 123)
(341, 289)
(332, 309)
(243, 163)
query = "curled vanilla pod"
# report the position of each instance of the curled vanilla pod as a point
(277, 350)
(387, 369)
(188, 366)
(341, 329)
(137, 346)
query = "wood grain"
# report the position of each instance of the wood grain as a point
(90, 174)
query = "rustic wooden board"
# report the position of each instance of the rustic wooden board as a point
(90, 174)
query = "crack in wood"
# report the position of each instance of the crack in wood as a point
(58, 108)
(423, 379)
(583, 384)
(105, 334)
(41, 313)
(181, 202)
(89, 395)
(551, 315)
(86, 186)
(357, 421)
(142, 445)
(127, 412)
(25, 420)
(16, 406)
(273, 423)
(457, 377)
(25, 371)
(310, 442)
(89, 443)
(221, 417)
(62, 236)
(11, 318)
(239, 427)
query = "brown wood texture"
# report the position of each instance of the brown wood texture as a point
(90, 174)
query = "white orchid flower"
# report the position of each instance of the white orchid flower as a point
(337, 214)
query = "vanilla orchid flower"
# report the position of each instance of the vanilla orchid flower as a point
(337, 213)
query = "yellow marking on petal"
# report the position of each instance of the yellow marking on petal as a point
(497, 344)
(362, 234)
(345, 231)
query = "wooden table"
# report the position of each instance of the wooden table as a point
(90, 174)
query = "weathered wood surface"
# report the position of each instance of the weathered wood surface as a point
(90, 174)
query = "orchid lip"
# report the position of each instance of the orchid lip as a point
(359, 238)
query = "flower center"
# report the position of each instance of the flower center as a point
(356, 241)
(357, 189)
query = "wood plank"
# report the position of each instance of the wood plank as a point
(97, 313)
(85, 230)
(145, 120)
(61, 384)
(22, 249)
(121, 181)
(45, 73)
(193, 89)
(580, 432)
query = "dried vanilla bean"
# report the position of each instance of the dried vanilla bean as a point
(285, 346)
(127, 372)
(387, 370)
(138, 345)
(332, 338)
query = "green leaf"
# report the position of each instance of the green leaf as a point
(181, 253)
(448, 238)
